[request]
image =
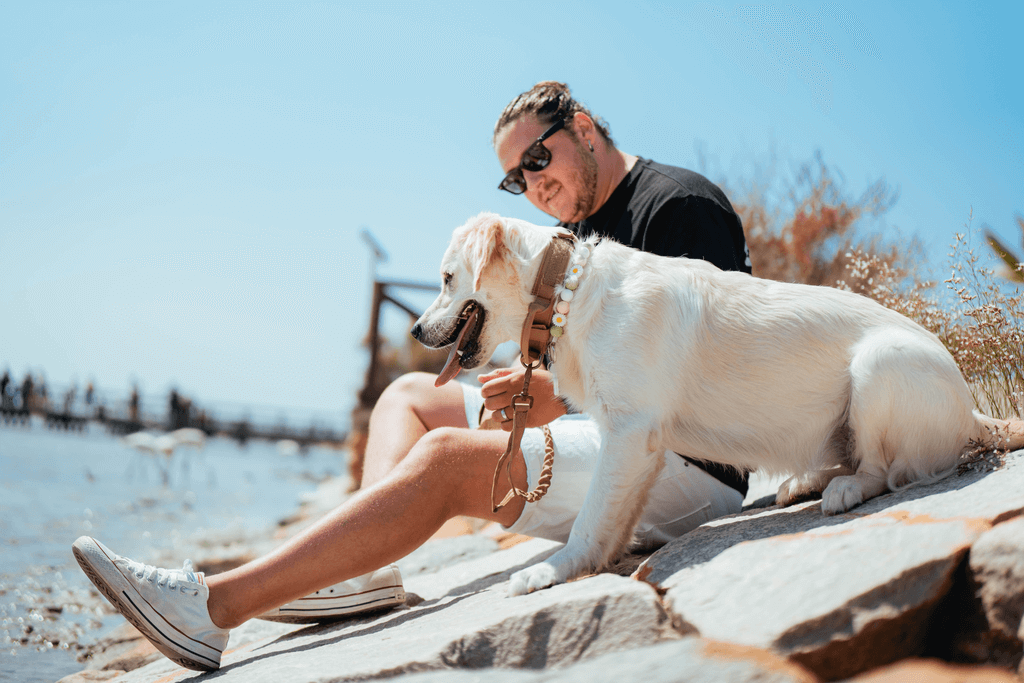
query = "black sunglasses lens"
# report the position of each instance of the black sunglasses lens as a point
(514, 182)
(536, 158)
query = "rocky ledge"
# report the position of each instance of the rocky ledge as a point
(923, 584)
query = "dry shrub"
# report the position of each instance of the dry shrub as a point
(806, 234)
(979, 318)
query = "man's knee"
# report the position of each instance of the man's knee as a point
(457, 456)
(434, 406)
(411, 389)
(444, 447)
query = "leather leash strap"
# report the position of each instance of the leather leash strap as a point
(555, 261)
(532, 347)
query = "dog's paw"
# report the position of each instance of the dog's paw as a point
(842, 494)
(798, 488)
(533, 579)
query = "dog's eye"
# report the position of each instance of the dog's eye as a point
(447, 279)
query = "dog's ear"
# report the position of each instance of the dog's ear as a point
(488, 246)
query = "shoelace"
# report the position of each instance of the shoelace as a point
(166, 577)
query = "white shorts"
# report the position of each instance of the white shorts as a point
(683, 497)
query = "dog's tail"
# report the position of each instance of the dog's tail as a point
(996, 434)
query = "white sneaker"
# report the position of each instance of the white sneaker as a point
(373, 591)
(168, 606)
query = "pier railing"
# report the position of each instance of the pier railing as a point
(73, 412)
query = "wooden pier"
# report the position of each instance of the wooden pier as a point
(241, 429)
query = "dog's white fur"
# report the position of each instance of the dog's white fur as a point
(673, 353)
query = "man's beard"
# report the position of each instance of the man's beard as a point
(585, 180)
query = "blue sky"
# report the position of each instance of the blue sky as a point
(182, 185)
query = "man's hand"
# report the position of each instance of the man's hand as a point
(501, 385)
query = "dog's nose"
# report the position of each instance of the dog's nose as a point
(417, 331)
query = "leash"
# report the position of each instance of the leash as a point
(535, 339)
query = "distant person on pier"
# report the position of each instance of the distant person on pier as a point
(27, 393)
(5, 381)
(174, 410)
(133, 404)
(426, 462)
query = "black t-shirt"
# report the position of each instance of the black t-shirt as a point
(670, 211)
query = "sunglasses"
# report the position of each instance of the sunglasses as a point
(535, 158)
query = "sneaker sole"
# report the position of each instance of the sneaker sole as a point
(318, 610)
(153, 626)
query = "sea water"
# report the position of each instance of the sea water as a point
(57, 486)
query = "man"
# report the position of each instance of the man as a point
(590, 186)
(425, 460)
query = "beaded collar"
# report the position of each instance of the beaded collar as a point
(565, 293)
(567, 290)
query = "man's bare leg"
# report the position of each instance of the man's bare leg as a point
(447, 472)
(410, 407)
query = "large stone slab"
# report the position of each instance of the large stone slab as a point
(997, 566)
(985, 614)
(838, 594)
(694, 660)
(465, 620)
(445, 552)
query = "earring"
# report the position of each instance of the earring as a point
(590, 146)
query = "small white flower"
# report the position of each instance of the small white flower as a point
(558, 319)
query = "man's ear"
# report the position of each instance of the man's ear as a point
(488, 247)
(583, 126)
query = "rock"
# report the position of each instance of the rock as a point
(934, 671)
(769, 594)
(837, 594)
(444, 552)
(997, 565)
(1020, 636)
(124, 649)
(694, 660)
(464, 621)
(91, 675)
(985, 613)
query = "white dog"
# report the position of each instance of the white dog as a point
(673, 353)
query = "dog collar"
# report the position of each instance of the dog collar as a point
(547, 289)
